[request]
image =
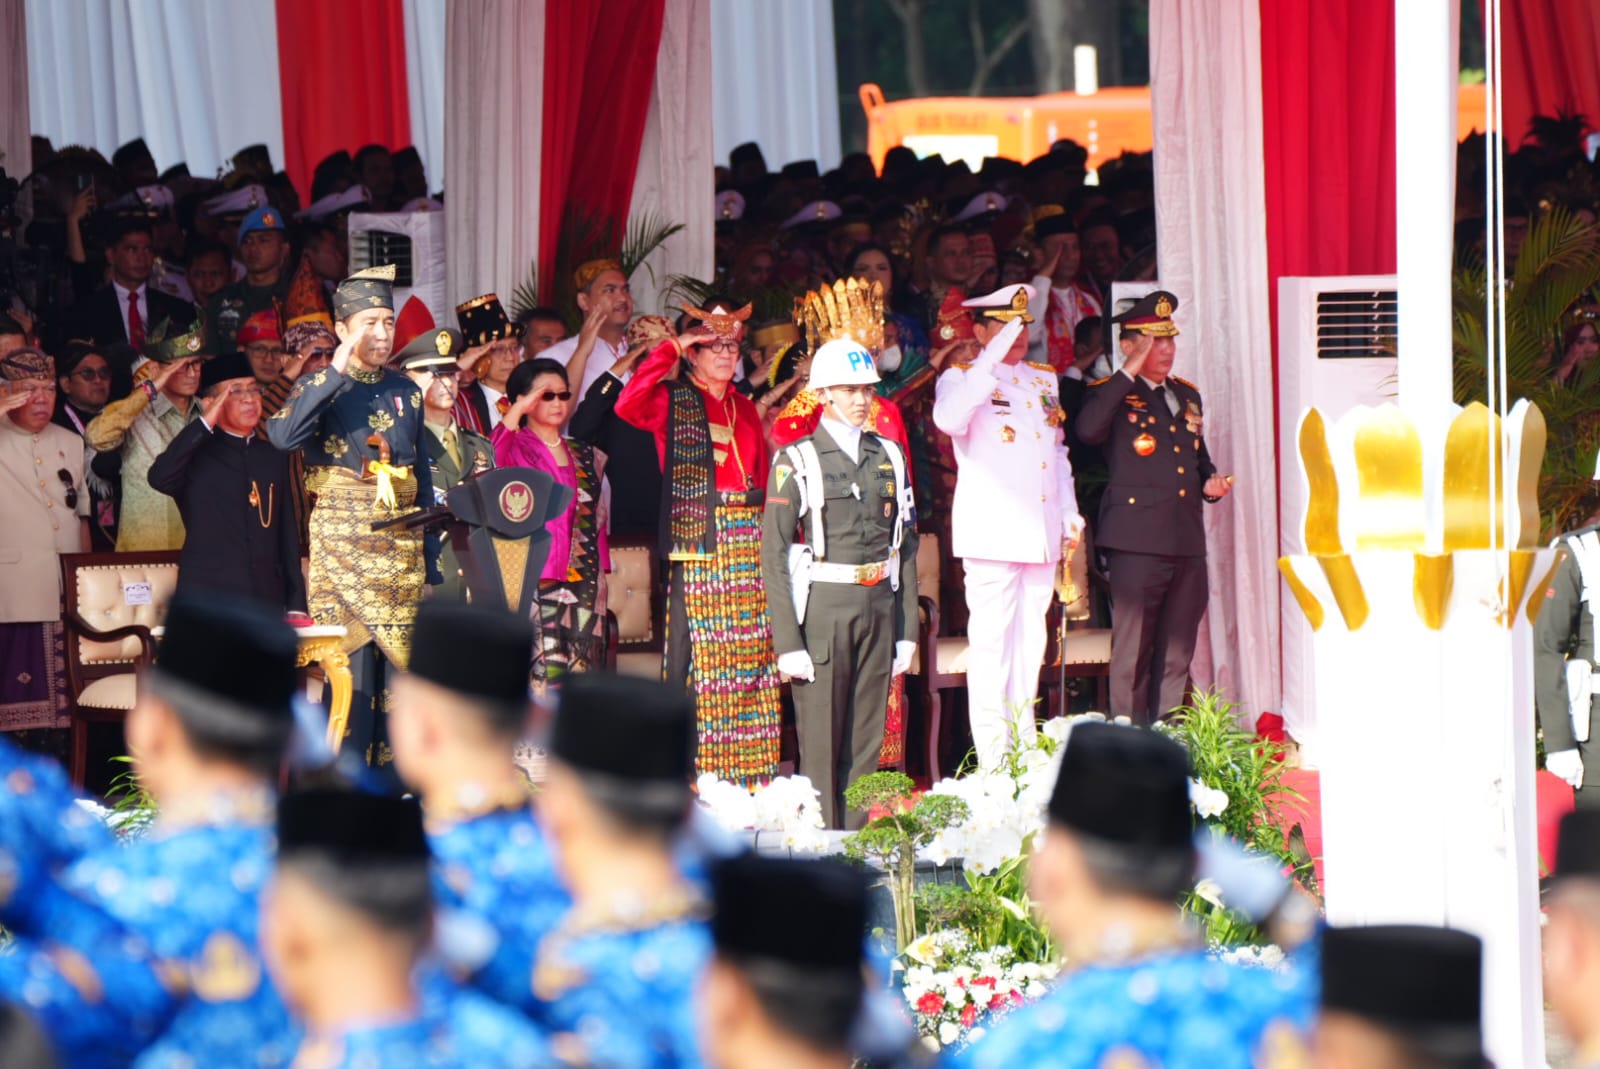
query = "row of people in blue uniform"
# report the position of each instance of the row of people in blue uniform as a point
(328, 927)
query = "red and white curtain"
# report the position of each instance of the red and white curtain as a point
(523, 110)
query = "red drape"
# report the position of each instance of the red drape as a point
(343, 72)
(1550, 61)
(1327, 102)
(599, 73)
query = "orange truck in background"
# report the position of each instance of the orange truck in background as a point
(1107, 123)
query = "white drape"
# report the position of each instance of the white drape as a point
(425, 79)
(493, 115)
(775, 79)
(16, 129)
(197, 79)
(1205, 63)
(675, 160)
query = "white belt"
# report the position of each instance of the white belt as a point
(852, 574)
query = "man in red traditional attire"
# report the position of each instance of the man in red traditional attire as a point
(714, 462)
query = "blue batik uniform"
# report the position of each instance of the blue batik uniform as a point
(459, 1030)
(498, 896)
(147, 954)
(618, 992)
(42, 828)
(1182, 1010)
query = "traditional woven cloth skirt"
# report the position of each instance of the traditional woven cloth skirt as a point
(893, 754)
(733, 671)
(33, 689)
(366, 581)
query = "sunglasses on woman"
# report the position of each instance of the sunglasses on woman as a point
(556, 395)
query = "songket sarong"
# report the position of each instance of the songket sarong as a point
(733, 671)
(893, 754)
(570, 608)
(368, 582)
(33, 689)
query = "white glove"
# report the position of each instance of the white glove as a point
(998, 346)
(1073, 529)
(797, 665)
(1567, 765)
(903, 652)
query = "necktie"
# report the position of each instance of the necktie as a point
(1166, 400)
(135, 322)
(503, 405)
(451, 447)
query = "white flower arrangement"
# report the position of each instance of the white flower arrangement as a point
(955, 991)
(789, 805)
(1209, 802)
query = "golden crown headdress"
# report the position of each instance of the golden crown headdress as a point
(850, 308)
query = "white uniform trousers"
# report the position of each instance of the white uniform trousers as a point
(1007, 604)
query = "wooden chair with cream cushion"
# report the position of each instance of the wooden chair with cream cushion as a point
(635, 624)
(110, 603)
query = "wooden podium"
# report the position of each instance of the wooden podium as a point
(496, 520)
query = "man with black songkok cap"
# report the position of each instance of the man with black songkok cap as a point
(149, 948)
(455, 722)
(617, 975)
(1401, 996)
(1116, 856)
(793, 991)
(360, 427)
(345, 920)
(1572, 934)
(234, 492)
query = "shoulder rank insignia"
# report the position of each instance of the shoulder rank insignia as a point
(1101, 382)
(1038, 366)
(1184, 382)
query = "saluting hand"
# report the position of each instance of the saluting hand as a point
(211, 407)
(162, 377)
(1134, 361)
(347, 349)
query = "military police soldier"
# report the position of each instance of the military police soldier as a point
(1004, 417)
(1150, 423)
(454, 452)
(840, 573)
(1564, 660)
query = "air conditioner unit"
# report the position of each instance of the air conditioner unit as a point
(414, 243)
(1336, 351)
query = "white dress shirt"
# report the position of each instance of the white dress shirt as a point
(601, 359)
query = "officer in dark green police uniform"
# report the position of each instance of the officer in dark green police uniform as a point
(840, 571)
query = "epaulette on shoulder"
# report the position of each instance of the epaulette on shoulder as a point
(1184, 382)
(1038, 366)
(1102, 382)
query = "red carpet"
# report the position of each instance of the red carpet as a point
(1555, 801)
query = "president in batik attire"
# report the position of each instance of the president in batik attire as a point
(361, 429)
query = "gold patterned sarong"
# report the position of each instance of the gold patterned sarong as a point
(366, 581)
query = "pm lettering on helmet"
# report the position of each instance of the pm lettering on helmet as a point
(860, 360)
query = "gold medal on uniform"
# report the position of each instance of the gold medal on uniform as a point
(1144, 445)
(1007, 434)
(1191, 416)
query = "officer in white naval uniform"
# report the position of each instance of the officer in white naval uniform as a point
(1015, 510)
